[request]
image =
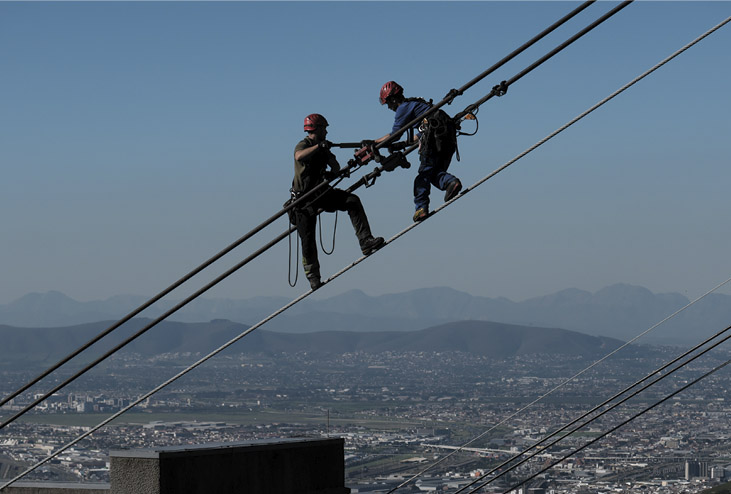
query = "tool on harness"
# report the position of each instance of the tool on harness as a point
(438, 132)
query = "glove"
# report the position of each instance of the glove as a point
(330, 175)
(325, 144)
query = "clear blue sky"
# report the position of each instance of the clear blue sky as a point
(137, 139)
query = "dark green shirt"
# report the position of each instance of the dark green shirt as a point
(308, 173)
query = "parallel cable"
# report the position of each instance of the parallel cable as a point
(457, 92)
(506, 84)
(621, 424)
(362, 258)
(502, 88)
(241, 240)
(531, 149)
(159, 296)
(257, 229)
(604, 412)
(41, 397)
(555, 388)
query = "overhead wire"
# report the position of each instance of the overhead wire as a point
(241, 240)
(621, 424)
(531, 149)
(458, 92)
(360, 259)
(40, 397)
(554, 389)
(162, 294)
(599, 406)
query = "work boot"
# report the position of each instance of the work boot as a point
(371, 244)
(315, 282)
(420, 215)
(453, 189)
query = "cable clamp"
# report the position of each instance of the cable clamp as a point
(500, 89)
(453, 93)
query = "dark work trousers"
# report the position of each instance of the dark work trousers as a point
(331, 201)
(432, 171)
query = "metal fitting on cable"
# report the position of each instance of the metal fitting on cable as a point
(453, 93)
(500, 89)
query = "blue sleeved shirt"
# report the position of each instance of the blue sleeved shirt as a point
(407, 111)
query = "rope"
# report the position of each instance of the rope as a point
(586, 414)
(335, 227)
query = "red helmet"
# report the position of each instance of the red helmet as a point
(313, 121)
(391, 88)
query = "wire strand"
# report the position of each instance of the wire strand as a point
(621, 424)
(597, 407)
(555, 388)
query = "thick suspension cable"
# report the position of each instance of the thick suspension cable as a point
(531, 149)
(503, 87)
(146, 328)
(554, 389)
(621, 424)
(506, 84)
(300, 200)
(166, 291)
(457, 92)
(597, 407)
(41, 397)
(362, 258)
(197, 270)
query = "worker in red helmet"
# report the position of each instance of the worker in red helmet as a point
(437, 137)
(312, 157)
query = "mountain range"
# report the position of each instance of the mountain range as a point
(619, 311)
(31, 346)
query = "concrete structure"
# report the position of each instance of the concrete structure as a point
(55, 488)
(291, 466)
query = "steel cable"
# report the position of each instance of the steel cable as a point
(555, 388)
(597, 407)
(257, 229)
(359, 260)
(456, 92)
(621, 424)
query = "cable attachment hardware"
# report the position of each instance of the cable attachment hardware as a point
(395, 160)
(367, 153)
(453, 93)
(500, 89)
